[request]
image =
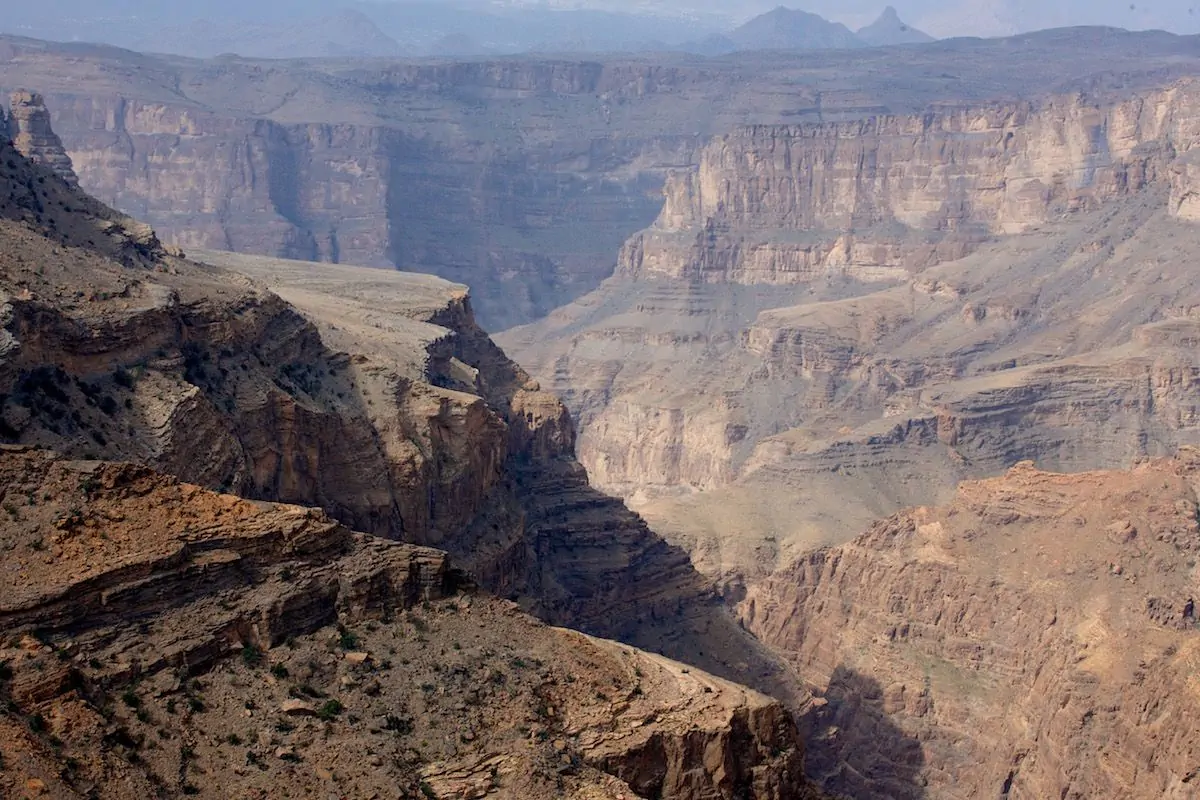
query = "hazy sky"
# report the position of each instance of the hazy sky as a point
(950, 17)
(417, 24)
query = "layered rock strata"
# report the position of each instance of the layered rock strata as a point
(1030, 634)
(383, 403)
(30, 131)
(519, 177)
(887, 196)
(760, 392)
(159, 638)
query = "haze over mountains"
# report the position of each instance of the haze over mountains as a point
(409, 28)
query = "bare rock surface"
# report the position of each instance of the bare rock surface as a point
(829, 323)
(30, 131)
(535, 530)
(158, 637)
(1030, 634)
(420, 430)
(163, 639)
(519, 177)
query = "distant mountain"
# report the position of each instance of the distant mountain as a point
(890, 29)
(345, 33)
(792, 29)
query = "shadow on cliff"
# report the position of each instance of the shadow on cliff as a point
(588, 562)
(854, 748)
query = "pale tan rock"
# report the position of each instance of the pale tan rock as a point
(298, 708)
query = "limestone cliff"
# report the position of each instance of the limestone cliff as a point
(1030, 634)
(29, 128)
(738, 383)
(880, 198)
(518, 177)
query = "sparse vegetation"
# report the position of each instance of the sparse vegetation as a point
(251, 656)
(330, 709)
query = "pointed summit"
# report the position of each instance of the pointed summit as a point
(890, 29)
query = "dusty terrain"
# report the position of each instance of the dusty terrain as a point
(162, 640)
(518, 177)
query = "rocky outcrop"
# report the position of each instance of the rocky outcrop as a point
(160, 637)
(1030, 634)
(30, 131)
(483, 465)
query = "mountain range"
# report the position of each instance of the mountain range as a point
(407, 29)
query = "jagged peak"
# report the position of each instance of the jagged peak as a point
(889, 28)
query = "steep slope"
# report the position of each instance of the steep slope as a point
(139, 609)
(1030, 633)
(164, 640)
(847, 312)
(387, 406)
(518, 177)
(889, 29)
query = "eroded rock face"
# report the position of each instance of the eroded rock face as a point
(880, 198)
(169, 639)
(30, 131)
(375, 396)
(1030, 634)
(170, 600)
(738, 399)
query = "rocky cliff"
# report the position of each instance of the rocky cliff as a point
(520, 178)
(883, 197)
(878, 310)
(163, 639)
(1030, 634)
(379, 400)
(28, 126)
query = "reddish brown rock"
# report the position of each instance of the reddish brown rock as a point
(1024, 663)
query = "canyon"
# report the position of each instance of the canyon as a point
(170, 628)
(519, 178)
(881, 309)
(901, 381)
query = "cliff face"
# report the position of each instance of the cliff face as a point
(1030, 634)
(380, 400)
(28, 126)
(737, 388)
(166, 639)
(162, 638)
(519, 177)
(878, 199)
